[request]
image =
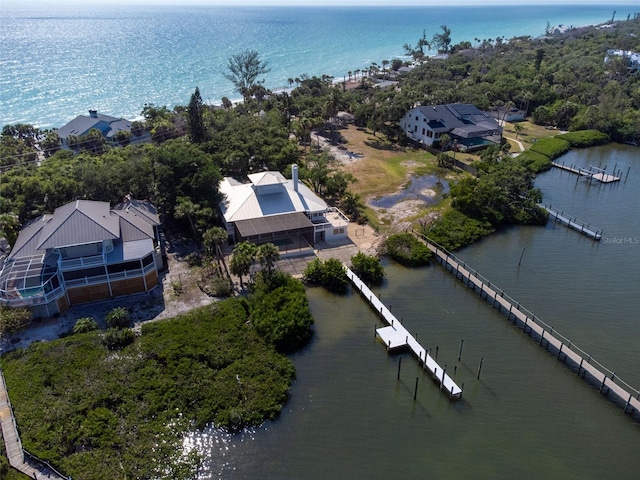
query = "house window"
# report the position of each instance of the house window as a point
(423, 130)
(415, 129)
(430, 134)
(416, 118)
(148, 260)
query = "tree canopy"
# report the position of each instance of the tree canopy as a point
(243, 70)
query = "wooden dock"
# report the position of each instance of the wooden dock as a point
(26, 464)
(563, 348)
(592, 173)
(395, 336)
(574, 223)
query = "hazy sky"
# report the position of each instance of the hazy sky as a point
(55, 3)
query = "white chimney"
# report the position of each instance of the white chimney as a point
(294, 176)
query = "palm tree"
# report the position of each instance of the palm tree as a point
(213, 239)
(185, 208)
(518, 128)
(352, 204)
(445, 140)
(268, 254)
(244, 254)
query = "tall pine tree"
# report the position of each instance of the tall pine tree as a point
(195, 111)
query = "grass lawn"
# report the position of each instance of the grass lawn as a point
(385, 166)
(529, 135)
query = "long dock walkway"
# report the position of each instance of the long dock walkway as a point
(395, 336)
(597, 374)
(31, 467)
(574, 223)
(592, 173)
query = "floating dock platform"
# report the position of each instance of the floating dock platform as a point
(592, 173)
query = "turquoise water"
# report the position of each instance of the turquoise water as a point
(59, 62)
(528, 417)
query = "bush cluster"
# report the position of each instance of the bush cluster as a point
(535, 162)
(281, 315)
(327, 273)
(551, 147)
(404, 248)
(368, 268)
(585, 138)
(455, 230)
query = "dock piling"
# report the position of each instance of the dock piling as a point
(479, 368)
(460, 352)
(399, 365)
(415, 391)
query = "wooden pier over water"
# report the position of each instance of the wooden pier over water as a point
(574, 223)
(563, 348)
(592, 173)
(395, 336)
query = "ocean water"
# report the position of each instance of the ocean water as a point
(56, 63)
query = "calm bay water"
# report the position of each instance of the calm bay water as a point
(529, 416)
(58, 62)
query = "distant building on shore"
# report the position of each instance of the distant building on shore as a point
(632, 58)
(107, 125)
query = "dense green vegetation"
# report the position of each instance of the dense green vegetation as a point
(501, 194)
(368, 268)
(404, 248)
(551, 147)
(328, 273)
(280, 312)
(13, 320)
(98, 413)
(454, 230)
(534, 161)
(585, 138)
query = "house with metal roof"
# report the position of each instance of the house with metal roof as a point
(466, 125)
(85, 251)
(81, 125)
(272, 209)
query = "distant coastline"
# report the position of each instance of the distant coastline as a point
(61, 63)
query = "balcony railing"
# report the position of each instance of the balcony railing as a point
(95, 280)
(14, 299)
(74, 263)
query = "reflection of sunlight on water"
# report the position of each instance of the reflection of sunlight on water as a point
(213, 444)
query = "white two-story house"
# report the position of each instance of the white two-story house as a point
(465, 124)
